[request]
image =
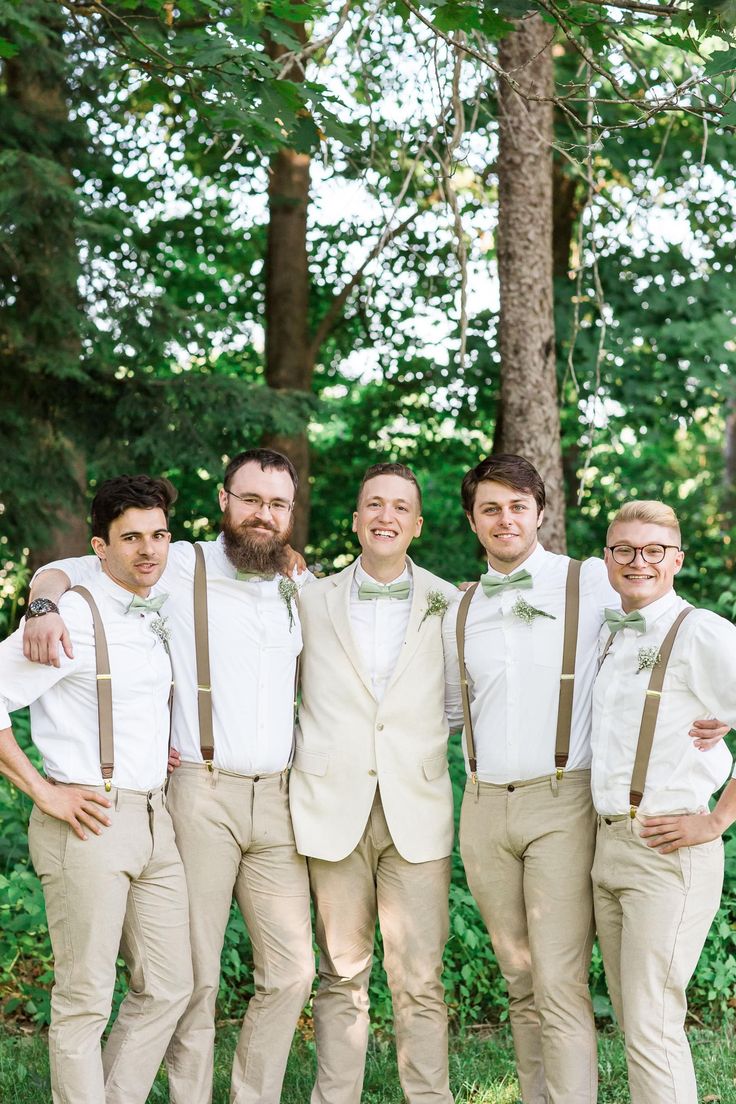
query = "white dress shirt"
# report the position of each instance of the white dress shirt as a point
(253, 652)
(63, 700)
(379, 628)
(700, 682)
(514, 669)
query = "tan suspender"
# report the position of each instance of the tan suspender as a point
(104, 689)
(567, 677)
(202, 653)
(462, 617)
(649, 716)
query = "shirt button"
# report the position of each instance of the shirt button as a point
(511, 788)
(372, 773)
(379, 727)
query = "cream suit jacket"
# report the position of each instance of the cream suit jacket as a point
(347, 743)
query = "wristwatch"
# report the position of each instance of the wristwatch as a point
(39, 606)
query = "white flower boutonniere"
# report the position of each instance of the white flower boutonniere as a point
(648, 659)
(436, 605)
(161, 629)
(526, 612)
(289, 592)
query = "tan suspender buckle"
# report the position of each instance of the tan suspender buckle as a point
(108, 787)
(559, 773)
(632, 812)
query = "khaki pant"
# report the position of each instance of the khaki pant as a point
(411, 902)
(122, 890)
(527, 850)
(653, 913)
(236, 838)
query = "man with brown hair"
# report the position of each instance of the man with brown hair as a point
(371, 797)
(527, 828)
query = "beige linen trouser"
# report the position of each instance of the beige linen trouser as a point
(122, 890)
(235, 837)
(527, 848)
(411, 902)
(653, 912)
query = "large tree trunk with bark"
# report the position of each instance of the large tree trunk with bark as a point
(529, 420)
(289, 359)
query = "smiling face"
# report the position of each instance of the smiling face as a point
(255, 532)
(506, 522)
(386, 522)
(640, 583)
(134, 556)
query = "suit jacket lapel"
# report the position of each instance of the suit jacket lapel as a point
(338, 607)
(413, 632)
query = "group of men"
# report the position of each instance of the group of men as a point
(585, 693)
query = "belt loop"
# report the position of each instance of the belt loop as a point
(213, 773)
(283, 778)
(555, 785)
(116, 800)
(476, 783)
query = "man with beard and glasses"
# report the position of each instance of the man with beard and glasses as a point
(232, 726)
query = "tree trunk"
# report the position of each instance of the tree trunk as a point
(728, 496)
(289, 361)
(529, 418)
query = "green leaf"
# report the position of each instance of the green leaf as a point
(723, 61)
(7, 49)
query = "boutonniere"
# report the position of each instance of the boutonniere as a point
(289, 592)
(436, 605)
(526, 612)
(648, 659)
(161, 629)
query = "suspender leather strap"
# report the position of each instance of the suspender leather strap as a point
(462, 617)
(202, 654)
(104, 689)
(567, 677)
(649, 716)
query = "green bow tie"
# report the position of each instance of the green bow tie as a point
(633, 620)
(367, 591)
(497, 584)
(153, 604)
(249, 576)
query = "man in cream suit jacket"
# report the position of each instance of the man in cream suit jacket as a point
(370, 793)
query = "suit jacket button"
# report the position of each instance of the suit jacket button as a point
(379, 726)
(372, 773)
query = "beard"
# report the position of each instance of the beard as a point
(250, 551)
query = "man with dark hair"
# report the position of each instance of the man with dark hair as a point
(371, 797)
(525, 643)
(100, 836)
(235, 641)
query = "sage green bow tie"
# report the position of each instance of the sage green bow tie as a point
(368, 591)
(249, 576)
(153, 604)
(497, 584)
(633, 620)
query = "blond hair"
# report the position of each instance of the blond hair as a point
(650, 511)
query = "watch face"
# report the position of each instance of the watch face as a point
(39, 606)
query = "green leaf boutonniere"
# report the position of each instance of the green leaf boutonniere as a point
(436, 605)
(648, 659)
(526, 613)
(289, 592)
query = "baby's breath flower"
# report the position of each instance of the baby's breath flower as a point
(288, 590)
(526, 612)
(648, 659)
(436, 605)
(161, 629)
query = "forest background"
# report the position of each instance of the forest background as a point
(363, 231)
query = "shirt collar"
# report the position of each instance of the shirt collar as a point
(532, 563)
(658, 608)
(118, 593)
(362, 576)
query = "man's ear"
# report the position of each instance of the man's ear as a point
(540, 519)
(222, 496)
(98, 547)
(471, 523)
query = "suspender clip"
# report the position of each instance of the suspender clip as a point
(654, 693)
(108, 787)
(632, 812)
(209, 765)
(559, 773)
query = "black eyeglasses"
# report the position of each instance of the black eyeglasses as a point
(253, 502)
(624, 554)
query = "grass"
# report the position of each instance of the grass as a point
(481, 1069)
